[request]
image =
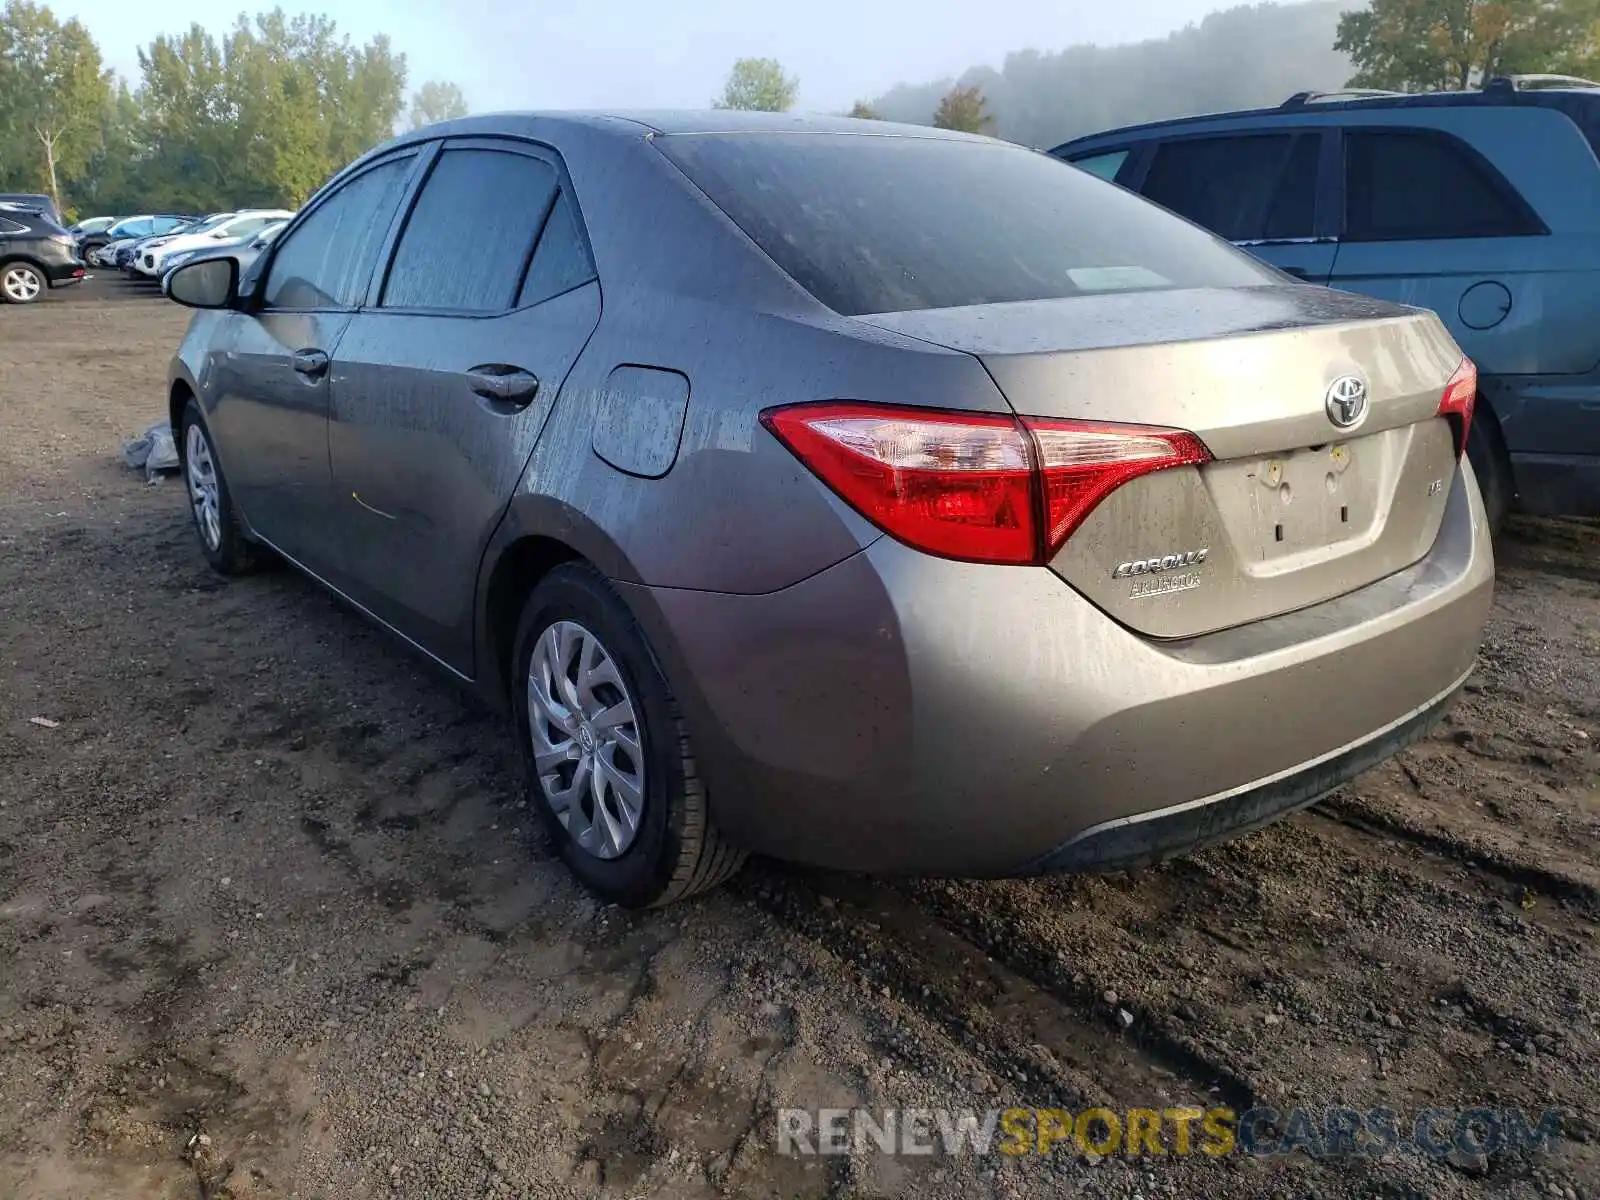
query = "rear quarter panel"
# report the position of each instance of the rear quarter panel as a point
(684, 291)
(735, 511)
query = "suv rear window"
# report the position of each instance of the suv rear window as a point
(886, 223)
(1411, 185)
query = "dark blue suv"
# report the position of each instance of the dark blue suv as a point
(1483, 206)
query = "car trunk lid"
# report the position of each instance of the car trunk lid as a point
(1294, 509)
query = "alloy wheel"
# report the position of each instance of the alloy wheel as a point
(587, 745)
(201, 473)
(21, 284)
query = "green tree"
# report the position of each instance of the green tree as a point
(963, 108)
(759, 85)
(265, 116)
(1429, 45)
(864, 111)
(113, 180)
(188, 121)
(436, 101)
(54, 94)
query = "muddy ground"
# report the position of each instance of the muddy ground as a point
(274, 922)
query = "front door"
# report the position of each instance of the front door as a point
(272, 381)
(441, 388)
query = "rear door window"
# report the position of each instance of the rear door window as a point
(1409, 184)
(1250, 188)
(468, 239)
(870, 223)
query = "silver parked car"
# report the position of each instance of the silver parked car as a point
(245, 249)
(913, 502)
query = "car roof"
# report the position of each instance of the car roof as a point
(1579, 101)
(570, 129)
(642, 122)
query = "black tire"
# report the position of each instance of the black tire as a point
(27, 274)
(229, 552)
(677, 850)
(1486, 451)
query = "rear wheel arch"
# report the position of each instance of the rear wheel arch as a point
(516, 572)
(537, 534)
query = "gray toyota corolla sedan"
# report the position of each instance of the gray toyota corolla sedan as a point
(865, 495)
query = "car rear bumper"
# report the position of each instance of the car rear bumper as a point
(902, 713)
(61, 274)
(1127, 842)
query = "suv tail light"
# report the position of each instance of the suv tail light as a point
(1459, 399)
(974, 486)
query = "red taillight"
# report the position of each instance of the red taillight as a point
(974, 486)
(1085, 461)
(1459, 399)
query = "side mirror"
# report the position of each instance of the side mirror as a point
(219, 233)
(209, 283)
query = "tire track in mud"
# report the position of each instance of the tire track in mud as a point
(1010, 1003)
(1232, 898)
(1368, 819)
(906, 969)
(994, 921)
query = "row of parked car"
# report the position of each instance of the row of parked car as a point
(38, 252)
(153, 244)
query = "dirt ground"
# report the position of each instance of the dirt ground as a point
(274, 922)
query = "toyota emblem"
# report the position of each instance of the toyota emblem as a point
(1346, 401)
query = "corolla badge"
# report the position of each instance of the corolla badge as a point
(1346, 401)
(1161, 562)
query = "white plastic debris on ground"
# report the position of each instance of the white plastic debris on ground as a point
(153, 450)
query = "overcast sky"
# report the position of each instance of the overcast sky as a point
(670, 53)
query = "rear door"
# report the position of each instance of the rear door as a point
(442, 384)
(1260, 190)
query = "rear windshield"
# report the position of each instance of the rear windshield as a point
(873, 223)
